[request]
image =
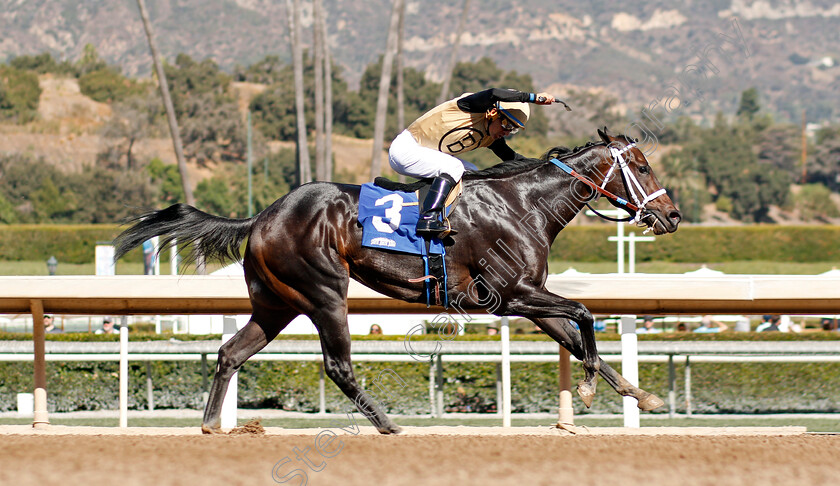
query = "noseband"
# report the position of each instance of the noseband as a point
(631, 184)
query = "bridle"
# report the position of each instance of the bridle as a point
(631, 185)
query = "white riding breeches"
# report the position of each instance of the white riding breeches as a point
(409, 158)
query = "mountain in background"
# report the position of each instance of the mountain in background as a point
(633, 54)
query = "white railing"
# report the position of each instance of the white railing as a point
(630, 294)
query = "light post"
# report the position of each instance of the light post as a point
(52, 265)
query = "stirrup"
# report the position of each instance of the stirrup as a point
(433, 228)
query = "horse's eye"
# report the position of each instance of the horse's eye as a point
(644, 169)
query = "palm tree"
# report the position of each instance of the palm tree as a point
(318, 54)
(293, 13)
(167, 103)
(447, 75)
(384, 87)
(328, 108)
(400, 77)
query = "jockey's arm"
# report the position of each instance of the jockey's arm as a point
(484, 100)
(503, 151)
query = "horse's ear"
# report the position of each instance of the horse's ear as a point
(604, 136)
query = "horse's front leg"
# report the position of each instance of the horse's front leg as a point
(568, 337)
(536, 304)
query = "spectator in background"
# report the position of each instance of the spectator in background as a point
(786, 324)
(765, 321)
(828, 324)
(647, 326)
(709, 325)
(108, 327)
(49, 326)
(492, 331)
(375, 329)
(742, 325)
(770, 325)
(681, 327)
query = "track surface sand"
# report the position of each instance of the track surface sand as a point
(83, 455)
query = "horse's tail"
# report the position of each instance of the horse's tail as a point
(214, 237)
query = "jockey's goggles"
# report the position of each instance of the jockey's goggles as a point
(508, 125)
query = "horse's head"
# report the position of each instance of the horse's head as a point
(629, 176)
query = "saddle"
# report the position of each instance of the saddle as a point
(421, 188)
(404, 239)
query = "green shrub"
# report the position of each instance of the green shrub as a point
(68, 243)
(19, 94)
(814, 201)
(694, 244)
(691, 244)
(468, 387)
(724, 204)
(107, 85)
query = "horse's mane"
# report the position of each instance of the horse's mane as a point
(501, 169)
(512, 167)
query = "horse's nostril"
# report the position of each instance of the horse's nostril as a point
(675, 216)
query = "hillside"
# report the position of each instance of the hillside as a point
(632, 53)
(66, 135)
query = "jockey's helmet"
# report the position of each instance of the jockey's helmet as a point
(514, 111)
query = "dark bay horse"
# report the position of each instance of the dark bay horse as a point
(303, 250)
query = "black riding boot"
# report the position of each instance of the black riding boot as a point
(430, 225)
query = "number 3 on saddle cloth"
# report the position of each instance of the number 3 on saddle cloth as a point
(389, 220)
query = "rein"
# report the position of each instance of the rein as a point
(634, 188)
(593, 186)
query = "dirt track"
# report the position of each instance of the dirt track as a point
(37, 459)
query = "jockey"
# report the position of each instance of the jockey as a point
(428, 147)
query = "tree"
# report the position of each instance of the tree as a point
(212, 130)
(749, 104)
(170, 113)
(725, 156)
(824, 160)
(44, 63)
(318, 57)
(132, 121)
(19, 94)
(686, 185)
(447, 73)
(384, 88)
(328, 101)
(189, 78)
(167, 180)
(293, 13)
(779, 147)
(107, 85)
(401, 76)
(814, 202)
(90, 61)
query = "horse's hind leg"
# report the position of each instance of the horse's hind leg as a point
(568, 337)
(261, 329)
(335, 345)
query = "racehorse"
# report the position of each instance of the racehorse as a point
(303, 250)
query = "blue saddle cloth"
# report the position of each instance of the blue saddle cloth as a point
(389, 221)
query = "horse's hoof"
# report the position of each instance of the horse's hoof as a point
(650, 402)
(587, 393)
(391, 429)
(206, 429)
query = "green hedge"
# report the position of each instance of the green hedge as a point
(810, 335)
(691, 244)
(468, 387)
(68, 243)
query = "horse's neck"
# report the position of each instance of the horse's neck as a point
(558, 195)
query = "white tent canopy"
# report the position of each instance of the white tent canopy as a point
(705, 271)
